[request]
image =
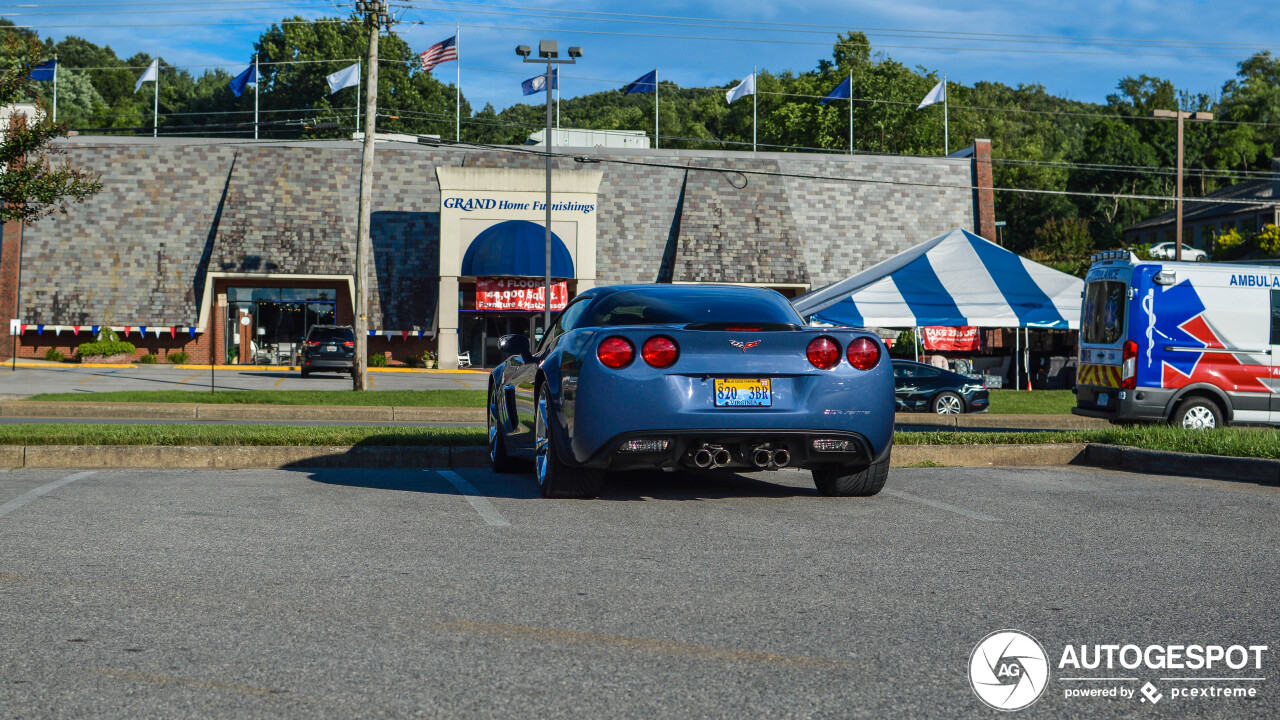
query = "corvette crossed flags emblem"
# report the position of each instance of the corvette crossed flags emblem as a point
(743, 346)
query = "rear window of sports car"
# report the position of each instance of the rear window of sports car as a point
(639, 308)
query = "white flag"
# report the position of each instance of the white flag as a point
(344, 78)
(935, 96)
(151, 73)
(742, 89)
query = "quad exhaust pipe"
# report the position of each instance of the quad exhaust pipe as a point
(710, 457)
(768, 459)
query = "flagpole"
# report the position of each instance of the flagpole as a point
(753, 107)
(55, 88)
(946, 124)
(851, 112)
(255, 96)
(457, 86)
(359, 72)
(155, 108)
(654, 109)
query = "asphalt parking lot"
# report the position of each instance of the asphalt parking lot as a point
(440, 594)
(79, 379)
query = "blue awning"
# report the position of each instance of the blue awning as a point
(516, 248)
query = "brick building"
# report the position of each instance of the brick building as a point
(229, 249)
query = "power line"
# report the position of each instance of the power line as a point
(156, 11)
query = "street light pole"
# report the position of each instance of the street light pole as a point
(548, 52)
(1181, 117)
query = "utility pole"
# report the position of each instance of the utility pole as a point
(375, 17)
(1181, 117)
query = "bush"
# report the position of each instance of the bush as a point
(379, 360)
(52, 355)
(178, 358)
(1268, 240)
(425, 360)
(148, 359)
(106, 347)
(904, 345)
(1228, 245)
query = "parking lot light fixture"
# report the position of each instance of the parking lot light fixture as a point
(549, 53)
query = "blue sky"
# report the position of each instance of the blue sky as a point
(1196, 44)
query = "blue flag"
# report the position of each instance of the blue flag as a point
(841, 91)
(539, 83)
(45, 71)
(646, 83)
(238, 83)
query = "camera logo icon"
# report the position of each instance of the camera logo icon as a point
(1008, 670)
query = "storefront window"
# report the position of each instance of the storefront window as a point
(266, 326)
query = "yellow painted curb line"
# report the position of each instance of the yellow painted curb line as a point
(294, 368)
(68, 365)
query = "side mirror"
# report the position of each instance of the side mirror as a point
(515, 345)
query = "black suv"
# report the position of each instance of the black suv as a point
(330, 348)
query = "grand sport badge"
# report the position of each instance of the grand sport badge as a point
(1008, 670)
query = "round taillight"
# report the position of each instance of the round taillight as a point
(660, 351)
(616, 352)
(824, 353)
(863, 353)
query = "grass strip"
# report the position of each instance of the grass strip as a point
(1227, 442)
(1231, 442)
(1036, 402)
(374, 398)
(256, 435)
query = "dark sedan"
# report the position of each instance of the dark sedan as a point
(925, 388)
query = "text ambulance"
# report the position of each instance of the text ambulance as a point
(1192, 343)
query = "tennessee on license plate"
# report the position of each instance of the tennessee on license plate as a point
(743, 392)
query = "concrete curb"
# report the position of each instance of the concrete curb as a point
(239, 457)
(197, 411)
(246, 457)
(997, 422)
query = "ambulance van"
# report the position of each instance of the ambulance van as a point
(1191, 343)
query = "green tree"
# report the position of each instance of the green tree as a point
(32, 185)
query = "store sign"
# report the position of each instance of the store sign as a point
(518, 294)
(964, 339)
(470, 204)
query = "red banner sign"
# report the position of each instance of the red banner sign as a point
(964, 339)
(518, 294)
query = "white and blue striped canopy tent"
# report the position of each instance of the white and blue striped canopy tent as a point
(956, 279)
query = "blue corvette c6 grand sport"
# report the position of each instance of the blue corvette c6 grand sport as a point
(697, 377)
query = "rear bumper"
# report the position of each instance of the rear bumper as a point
(741, 446)
(328, 363)
(1136, 405)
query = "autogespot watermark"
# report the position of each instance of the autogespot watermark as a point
(1009, 670)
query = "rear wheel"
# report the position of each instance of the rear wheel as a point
(499, 460)
(841, 482)
(948, 403)
(1198, 414)
(556, 479)
(305, 373)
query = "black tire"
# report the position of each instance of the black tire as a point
(841, 482)
(947, 403)
(555, 478)
(306, 373)
(499, 460)
(1197, 414)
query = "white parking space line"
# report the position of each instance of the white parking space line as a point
(30, 495)
(479, 502)
(942, 506)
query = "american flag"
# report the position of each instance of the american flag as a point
(441, 52)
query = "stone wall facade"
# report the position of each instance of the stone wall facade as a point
(173, 210)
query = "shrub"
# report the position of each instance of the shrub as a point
(148, 359)
(1268, 239)
(379, 360)
(425, 360)
(178, 358)
(52, 355)
(905, 344)
(1228, 245)
(106, 347)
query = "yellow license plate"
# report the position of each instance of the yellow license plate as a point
(744, 392)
